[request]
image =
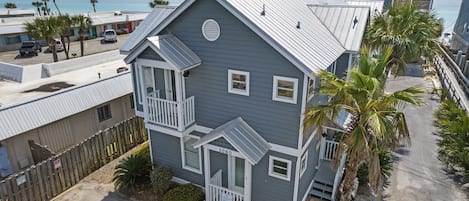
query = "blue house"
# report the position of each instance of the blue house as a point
(223, 85)
(461, 29)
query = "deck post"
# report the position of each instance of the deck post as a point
(207, 173)
(179, 100)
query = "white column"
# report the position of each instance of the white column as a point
(143, 90)
(247, 180)
(349, 67)
(207, 172)
(179, 100)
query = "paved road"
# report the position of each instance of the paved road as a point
(418, 174)
(91, 47)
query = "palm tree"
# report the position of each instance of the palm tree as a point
(158, 2)
(410, 32)
(45, 28)
(55, 4)
(38, 5)
(94, 2)
(10, 5)
(45, 10)
(64, 31)
(84, 24)
(376, 119)
(132, 172)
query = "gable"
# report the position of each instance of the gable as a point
(149, 53)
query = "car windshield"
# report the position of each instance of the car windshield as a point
(28, 44)
(57, 42)
(109, 33)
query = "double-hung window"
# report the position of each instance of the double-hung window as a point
(285, 89)
(279, 168)
(191, 157)
(104, 113)
(303, 163)
(238, 82)
(310, 88)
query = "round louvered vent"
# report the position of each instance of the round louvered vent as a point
(211, 30)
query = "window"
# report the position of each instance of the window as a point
(279, 168)
(310, 88)
(333, 67)
(10, 40)
(285, 89)
(238, 82)
(211, 30)
(303, 163)
(104, 113)
(191, 157)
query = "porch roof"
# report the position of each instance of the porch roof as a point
(171, 49)
(242, 137)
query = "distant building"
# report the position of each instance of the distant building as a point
(7, 13)
(423, 5)
(69, 105)
(461, 29)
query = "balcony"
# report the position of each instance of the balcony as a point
(172, 114)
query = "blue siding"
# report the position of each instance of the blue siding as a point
(308, 176)
(342, 65)
(166, 151)
(241, 49)
(219, 161)
(267, 188)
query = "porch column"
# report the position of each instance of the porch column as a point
(207, 173)
(179, 100)
(142, 90)
(247, 180)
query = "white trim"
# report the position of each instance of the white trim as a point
(247, 180)
(181, 181)
(350, 58)
(202, 129)
(150, 146)
(303, 109)
(154, 63)
(139, 77)
(306, 144)
(276, 175)
(307, 191)
(232, 173)
(205, 34)
(183, 156)
(334, 67)
(207, 169)
(230, 82)
(305, 158)
(310, 96)
(296, 184)
(169, 131)
(275, 96)
(223, 150)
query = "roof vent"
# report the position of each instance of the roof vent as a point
(211, 30)
(263, 10)
(298, 26)
(355, 22)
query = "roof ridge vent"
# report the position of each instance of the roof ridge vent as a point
(263, 10)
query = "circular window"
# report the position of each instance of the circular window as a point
(211, 30)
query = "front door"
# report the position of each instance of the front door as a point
(236, 174)
(170, 85)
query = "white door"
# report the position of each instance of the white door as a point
(236, 174)
(169, 85)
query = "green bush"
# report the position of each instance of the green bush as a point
(161, 180)
(143, 149)
(132, 173)
(187, 192)
(385, 165)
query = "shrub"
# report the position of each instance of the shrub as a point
(132, 173)
(161, 180)
(143, 149)
(187, 192)
(385, 162)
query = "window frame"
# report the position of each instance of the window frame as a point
(305, 167)
(230, 82)
(275, 96)
(183, 155)
(310, 96)
(278, 175)
(105, 116)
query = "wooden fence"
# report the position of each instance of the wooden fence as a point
(53, 176)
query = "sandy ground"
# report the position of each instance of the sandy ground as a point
(418, 174)
(97, 186)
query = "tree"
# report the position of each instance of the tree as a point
(46, 8)
(38, 5)
(94, 2)
(376, 119)
(64, 31)
(158, 2)
(45, 28)
(411, 34)
(84, 24)
(55, 4)
(132, 172)
(10, 5)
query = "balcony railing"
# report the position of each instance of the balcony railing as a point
(327, 152)
(172, 114)
(218, 193)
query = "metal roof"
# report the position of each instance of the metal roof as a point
(174, 51)
(347, 23)
(12, 28)
(29, 115)
(143, 30)
(376, 6)
(242, 137)
(290, 26)
(99, 20)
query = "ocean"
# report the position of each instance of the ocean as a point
(446, 9)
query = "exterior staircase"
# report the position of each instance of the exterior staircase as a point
(323, 181)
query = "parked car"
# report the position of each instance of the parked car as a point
(110, 35)
(30, 47)
(58, 46)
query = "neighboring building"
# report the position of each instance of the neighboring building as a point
(460, 34)
(7, 13)
(223, 86)
(12, 30)
(61, 110)
(423, 5)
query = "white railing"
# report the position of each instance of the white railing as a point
(218, 193)
(165, 112)
(217, 178)
(338, 175)
(328, 152)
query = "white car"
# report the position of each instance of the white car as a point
(58, 45)
(110, 35)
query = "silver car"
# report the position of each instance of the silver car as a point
(110, 35)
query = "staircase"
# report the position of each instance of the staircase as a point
(322, 190)
(323, 181)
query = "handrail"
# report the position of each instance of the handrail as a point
(338, 175)
(218, 193)
(330, 147)
(165, 112)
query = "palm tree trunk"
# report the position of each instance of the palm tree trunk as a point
(62, 38)
(346, 186)
(55, 4)
(39, 11)
(94, 8)
(82, 48)
(68, 44)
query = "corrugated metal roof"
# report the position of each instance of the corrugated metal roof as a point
(17, 11)
(242, 137)
(143, 30)
(340, 20)
(312, 45)
(23, 117)
(376, 6)
(174, 51)
(98, 20)
(12, 28)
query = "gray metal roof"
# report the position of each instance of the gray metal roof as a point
(143, 30)
(29, 115)
(173, 51)
(376, 6)
(242, 137)
(340, 20)
(311, 47)
(12, 29)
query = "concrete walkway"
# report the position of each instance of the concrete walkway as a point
(418, 174)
